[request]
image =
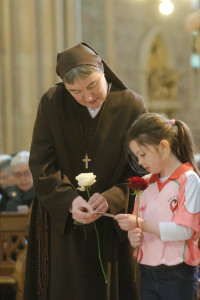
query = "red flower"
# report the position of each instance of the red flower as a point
(138, 184)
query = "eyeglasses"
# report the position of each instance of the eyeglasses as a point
(26, 173)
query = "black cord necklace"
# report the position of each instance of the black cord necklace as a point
(86, 159)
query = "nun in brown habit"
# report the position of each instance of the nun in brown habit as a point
(80, 128)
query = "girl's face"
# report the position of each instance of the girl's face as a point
(91, 91)
(150, 157)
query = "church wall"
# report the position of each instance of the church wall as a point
(32, 34)
(120, 30)
(135, 20)
(93, 25)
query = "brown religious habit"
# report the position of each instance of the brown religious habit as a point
(61, 263)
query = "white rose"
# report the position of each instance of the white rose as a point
(84, 180)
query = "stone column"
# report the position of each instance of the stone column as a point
(48, 41)
(24, 83)
(73, 22)
(32, 32)
(110, 32)
(6, 74)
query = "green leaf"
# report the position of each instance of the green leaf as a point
(78, 223)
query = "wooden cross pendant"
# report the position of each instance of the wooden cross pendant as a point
(86, 160)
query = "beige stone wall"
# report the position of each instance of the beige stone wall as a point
(135, 25)
(32, 32)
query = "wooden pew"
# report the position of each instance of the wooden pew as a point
(13, 244)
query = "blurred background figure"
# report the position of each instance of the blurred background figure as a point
(4, 157)
(6, 180)
(22, 193)
(6, 174)
(197, 159)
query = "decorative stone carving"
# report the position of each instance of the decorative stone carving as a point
(163, 84)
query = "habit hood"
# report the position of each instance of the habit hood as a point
(83, 54)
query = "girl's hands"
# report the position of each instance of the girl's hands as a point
(135, 237)
(126, 221)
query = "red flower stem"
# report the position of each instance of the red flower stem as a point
(135, 270)
(137, 193)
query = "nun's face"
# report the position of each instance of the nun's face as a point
(90, 91)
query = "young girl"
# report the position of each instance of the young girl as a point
(169, 209)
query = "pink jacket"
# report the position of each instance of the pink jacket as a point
(175, 200)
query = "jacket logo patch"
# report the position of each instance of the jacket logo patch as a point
(142, 208)
(173, 205)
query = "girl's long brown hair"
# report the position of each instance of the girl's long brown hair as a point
(151, 128)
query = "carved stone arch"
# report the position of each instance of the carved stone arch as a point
(144, 54)
(159, 81)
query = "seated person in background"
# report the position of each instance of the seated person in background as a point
(6, 180)
(197, 159)
(22, 193)
(2, 158)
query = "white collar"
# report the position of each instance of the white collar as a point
(162, 179)
(94, 111)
